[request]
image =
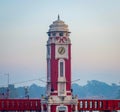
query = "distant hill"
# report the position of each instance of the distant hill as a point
(34, 91)
(96, 89)
(93, 89)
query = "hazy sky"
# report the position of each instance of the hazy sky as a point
(95, 36)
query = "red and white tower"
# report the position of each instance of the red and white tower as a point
(58, 60)
(59, 96)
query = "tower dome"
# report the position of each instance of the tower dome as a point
(59, 26)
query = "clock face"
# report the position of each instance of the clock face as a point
(61, 50)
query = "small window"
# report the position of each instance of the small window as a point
(54, 34)
(61, 34)
(49, 34)
(61, 69)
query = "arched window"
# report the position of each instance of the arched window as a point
(61, 68)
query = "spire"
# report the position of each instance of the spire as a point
(58, 17)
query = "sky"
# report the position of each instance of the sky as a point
(95, 37)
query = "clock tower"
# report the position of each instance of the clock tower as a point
(58, 59)
(59, 95)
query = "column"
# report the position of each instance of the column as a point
(41, 107)
(49, 108)
(76, 108)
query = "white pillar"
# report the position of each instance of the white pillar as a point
(41, 107)
(76, 108)
(49, 108)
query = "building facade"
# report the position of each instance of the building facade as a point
(59, 96)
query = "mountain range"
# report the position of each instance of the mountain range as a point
(92, 90)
